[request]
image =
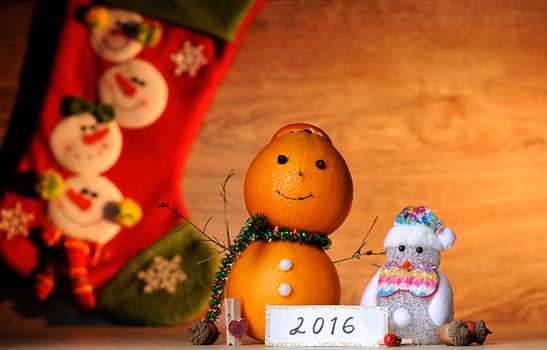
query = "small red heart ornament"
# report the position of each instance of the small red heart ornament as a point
(238, 328)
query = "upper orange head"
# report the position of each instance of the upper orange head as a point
(300, 181)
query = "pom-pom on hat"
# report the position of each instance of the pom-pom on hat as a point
(418, 226)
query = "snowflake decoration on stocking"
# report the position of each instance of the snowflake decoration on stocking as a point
(162, 274)
(189, 59)
(14, 221)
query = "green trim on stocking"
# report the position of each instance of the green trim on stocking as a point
(125, 299)
(220, 18)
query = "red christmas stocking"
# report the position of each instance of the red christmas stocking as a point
(128, 91)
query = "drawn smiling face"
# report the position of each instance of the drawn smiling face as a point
(137, 90)
(86, 209)
(111, 42)
(300, 181)
(82, 145)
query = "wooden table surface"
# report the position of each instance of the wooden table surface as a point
(504, 337)
(435, 102)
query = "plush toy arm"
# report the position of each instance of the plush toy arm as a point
(441, 302)
(370, 295)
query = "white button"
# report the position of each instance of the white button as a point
(285, 289)
(285, 264)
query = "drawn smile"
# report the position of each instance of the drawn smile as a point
(114, 46)
(310, 195)
(124, 108)
(92, 222)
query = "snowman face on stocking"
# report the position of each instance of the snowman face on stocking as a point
(136, 90)
(111, 41)
(82, 145)
(87, 209)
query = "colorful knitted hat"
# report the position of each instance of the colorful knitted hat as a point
(418, 226)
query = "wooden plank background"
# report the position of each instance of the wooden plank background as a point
(442, 103)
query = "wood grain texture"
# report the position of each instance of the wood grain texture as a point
(94, 338)
(440, 103)
(436, 102)
(16, 19)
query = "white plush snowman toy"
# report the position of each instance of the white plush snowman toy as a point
(417, 295)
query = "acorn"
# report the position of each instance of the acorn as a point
(479, 332)
(203, 333)
(455, 333)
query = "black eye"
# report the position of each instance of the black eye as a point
(419, 250)
(401, 248)
(84, 190)
(321, 164)
(137, 81)
(281, 159)
(94, 194)
(83, 127)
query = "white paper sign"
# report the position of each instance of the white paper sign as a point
(325, 325)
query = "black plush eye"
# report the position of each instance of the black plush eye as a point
(94, 194)
(281, 159)
(419, 250)
(84, 190)
(83, 127)
(321, 164)
(401, 248)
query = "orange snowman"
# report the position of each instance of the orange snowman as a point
(298, 190)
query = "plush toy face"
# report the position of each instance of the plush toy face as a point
(137, 91)
(111, 42)
(414, 255)
(86, 210)
(82, 145)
